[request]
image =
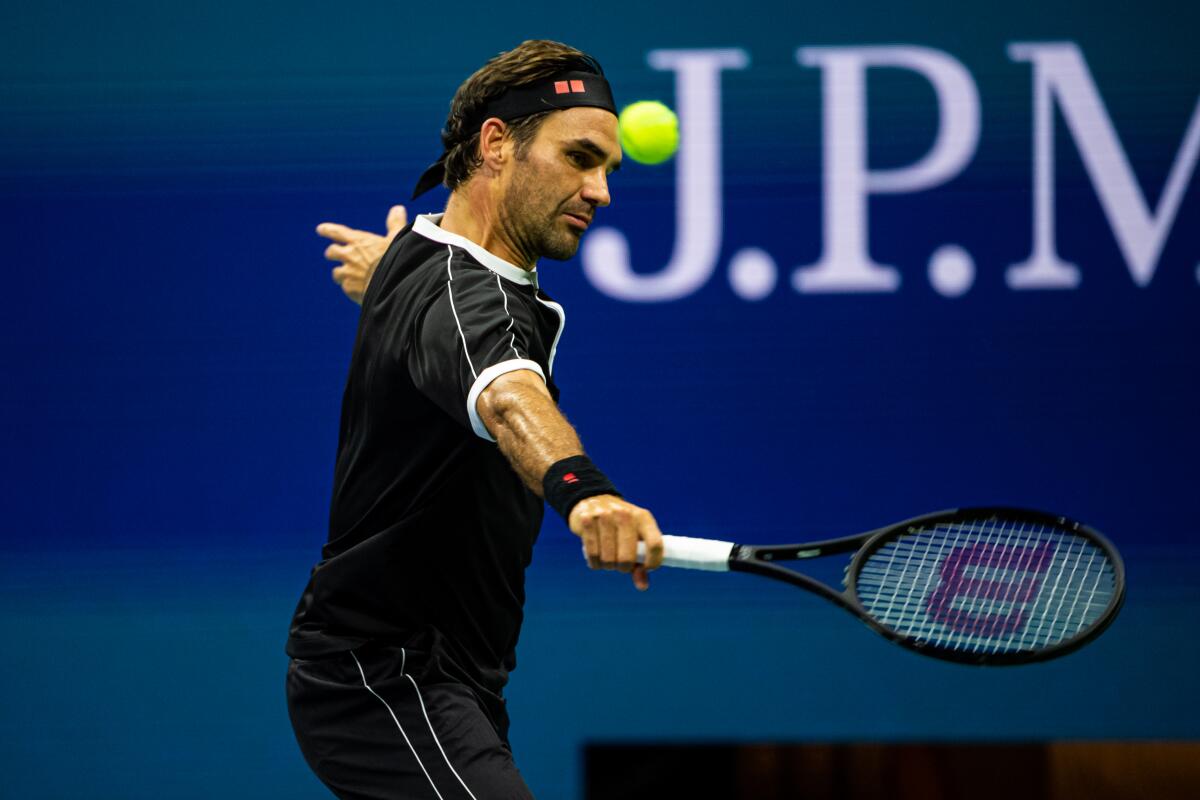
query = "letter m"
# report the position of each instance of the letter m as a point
(1061, 76)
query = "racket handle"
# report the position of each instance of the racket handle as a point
(686, 552)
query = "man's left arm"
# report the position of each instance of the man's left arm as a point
(359, 251)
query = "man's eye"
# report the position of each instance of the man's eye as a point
(578, 158)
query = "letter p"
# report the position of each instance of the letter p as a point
(845, 265)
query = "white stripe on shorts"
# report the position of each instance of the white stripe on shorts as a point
(401, 727)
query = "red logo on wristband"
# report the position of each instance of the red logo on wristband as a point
(570, 478)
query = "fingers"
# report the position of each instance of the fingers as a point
(627, 541)
(618, 538)
(397, 218)
(599, 522)
(591, 549)
(609, 533)
(641, 578)
(652, 536)
(339, 233)
(359, 252)
(611, 530)
(351, 283)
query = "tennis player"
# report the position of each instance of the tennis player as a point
(450, 439)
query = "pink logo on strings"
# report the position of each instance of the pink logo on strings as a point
(992, 594)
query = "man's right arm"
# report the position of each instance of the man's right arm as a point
(533, 434)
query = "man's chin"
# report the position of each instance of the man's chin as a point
(563, 249)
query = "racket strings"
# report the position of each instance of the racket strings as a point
(987, 586)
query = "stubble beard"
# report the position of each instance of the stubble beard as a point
(536, 231)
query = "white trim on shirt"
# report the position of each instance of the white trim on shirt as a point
(428, 225)
(485, 378)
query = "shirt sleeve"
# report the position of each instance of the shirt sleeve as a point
(475, 329)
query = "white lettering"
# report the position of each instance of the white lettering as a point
(845, 265)
(698, 214)
(1060, 74)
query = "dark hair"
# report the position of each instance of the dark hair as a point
(526, 63)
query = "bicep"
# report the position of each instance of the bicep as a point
(518, 389)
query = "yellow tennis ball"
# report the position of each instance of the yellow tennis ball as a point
(649, 132)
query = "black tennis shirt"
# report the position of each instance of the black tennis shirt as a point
(430, 529)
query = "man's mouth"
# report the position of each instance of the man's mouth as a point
(578, 220)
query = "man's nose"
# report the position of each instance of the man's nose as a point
(595, 188)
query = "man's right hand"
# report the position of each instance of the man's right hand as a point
(359, 251)
(611, 529)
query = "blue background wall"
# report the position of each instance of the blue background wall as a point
(174, 352)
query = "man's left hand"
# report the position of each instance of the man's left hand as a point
(359, 251)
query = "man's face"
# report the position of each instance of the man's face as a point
(554, 189)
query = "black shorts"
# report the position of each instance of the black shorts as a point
(370, 727)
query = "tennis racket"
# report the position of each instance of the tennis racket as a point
(995, 586)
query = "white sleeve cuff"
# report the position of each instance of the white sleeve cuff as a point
(484, 380)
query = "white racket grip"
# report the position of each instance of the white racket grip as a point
(685, 552)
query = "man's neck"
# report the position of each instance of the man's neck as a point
(471, 213)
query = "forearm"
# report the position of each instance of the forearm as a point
(533, 434)
(528, 427)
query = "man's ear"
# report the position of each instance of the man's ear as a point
(493, 137)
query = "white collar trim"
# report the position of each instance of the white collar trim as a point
(429, 226)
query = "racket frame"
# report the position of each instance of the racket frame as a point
(761, 560)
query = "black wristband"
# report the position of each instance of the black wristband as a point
(573, 479)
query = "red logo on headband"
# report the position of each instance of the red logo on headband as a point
(568, 87)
